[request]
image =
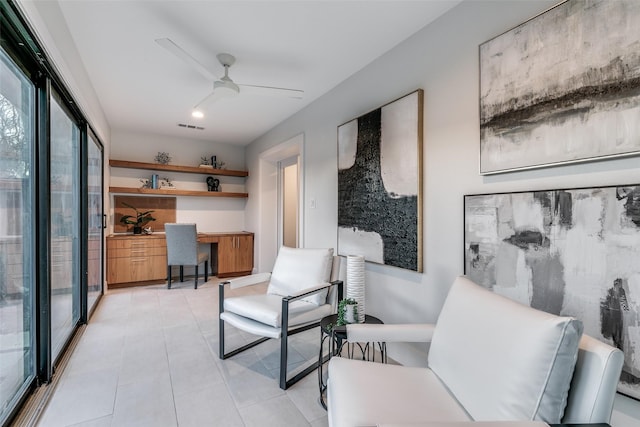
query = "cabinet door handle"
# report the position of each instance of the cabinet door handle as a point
(104, 221)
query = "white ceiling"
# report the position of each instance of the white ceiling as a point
(308, 45)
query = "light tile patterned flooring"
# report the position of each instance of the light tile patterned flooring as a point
(149, 357)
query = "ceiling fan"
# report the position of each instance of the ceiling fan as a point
(224, 87)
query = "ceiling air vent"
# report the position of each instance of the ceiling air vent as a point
(185, 125)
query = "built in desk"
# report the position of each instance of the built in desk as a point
(142, 259)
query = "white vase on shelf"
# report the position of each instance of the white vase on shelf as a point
(355, 283)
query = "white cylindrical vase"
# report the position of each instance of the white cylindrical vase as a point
(355, 282)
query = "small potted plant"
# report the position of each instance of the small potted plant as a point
(139, 220)
(347, 311)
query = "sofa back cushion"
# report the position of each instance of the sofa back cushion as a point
(297, 269)
(503, 360)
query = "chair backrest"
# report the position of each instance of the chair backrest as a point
(338, 272)
(297, 269)
(182, 244)
(594, 383)
(503, 360)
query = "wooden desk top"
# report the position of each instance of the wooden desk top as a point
(211, 237)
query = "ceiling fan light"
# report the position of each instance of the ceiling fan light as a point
(197, 114)
(225, 89)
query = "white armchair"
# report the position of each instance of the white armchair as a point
(302, 290)
(490, 359)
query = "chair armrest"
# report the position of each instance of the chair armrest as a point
(284, 321)
(312, 290)
(241, 282)
(418, 332)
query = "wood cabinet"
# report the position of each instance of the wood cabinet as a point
(136, 259)
(235, 255)
(142, 259)
(176, 168)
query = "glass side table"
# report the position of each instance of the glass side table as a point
(336, 338)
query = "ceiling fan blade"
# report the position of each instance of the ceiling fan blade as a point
(272, 91)
(183, 55)
(211, 97)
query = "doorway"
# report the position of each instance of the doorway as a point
(289, 200)
(274, 164)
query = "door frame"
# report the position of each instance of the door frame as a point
(270, 185)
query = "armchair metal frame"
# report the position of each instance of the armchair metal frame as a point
(285, 332)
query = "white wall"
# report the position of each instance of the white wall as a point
(443, 60)
(210, 213)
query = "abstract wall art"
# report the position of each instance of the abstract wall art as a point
(562, 87)
(380, 184)
(569, 252)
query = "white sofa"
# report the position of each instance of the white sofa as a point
(490, 359)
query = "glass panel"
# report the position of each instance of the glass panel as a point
(17, 120)
(65, 220)
(94, 256)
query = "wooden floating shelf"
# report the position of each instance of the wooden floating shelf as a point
(175, 168)
(176, 192)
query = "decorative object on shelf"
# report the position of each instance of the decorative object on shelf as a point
(147, 230)
(204, 161)
(541, 107)
(221, 165)
(166, 183)
(138, 221)
(380, 184)
(568, 252)
(347, 312)
(145, 183)
(213, 184)
(355, 283)
(162, 158)
(154, 181)
(214, 162)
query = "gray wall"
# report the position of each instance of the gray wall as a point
(443, 60)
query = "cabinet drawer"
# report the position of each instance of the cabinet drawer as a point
(136, 242)
(137, 252)
(136, 269)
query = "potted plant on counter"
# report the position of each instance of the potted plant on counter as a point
(139, 220)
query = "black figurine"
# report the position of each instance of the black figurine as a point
(213, 184)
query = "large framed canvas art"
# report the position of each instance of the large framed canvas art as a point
(569, 252)
(380, 184)
(562, 87)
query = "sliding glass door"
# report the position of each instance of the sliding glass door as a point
(95, 220)
(17, 118)
(65, 214)
(51, 215)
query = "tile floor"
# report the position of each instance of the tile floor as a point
(149, 357)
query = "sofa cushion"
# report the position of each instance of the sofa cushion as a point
(503, 360)
(365, 394)
(297, 269)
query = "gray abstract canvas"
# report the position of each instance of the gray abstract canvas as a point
(380, 184)
(563, 87)
(568, 252)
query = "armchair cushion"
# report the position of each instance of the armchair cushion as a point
(503, 360)
(267, 309)
(297, 269)
(387, 394)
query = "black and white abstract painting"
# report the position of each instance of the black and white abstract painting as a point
(380, 184)
(568, 252)
(563, 87)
